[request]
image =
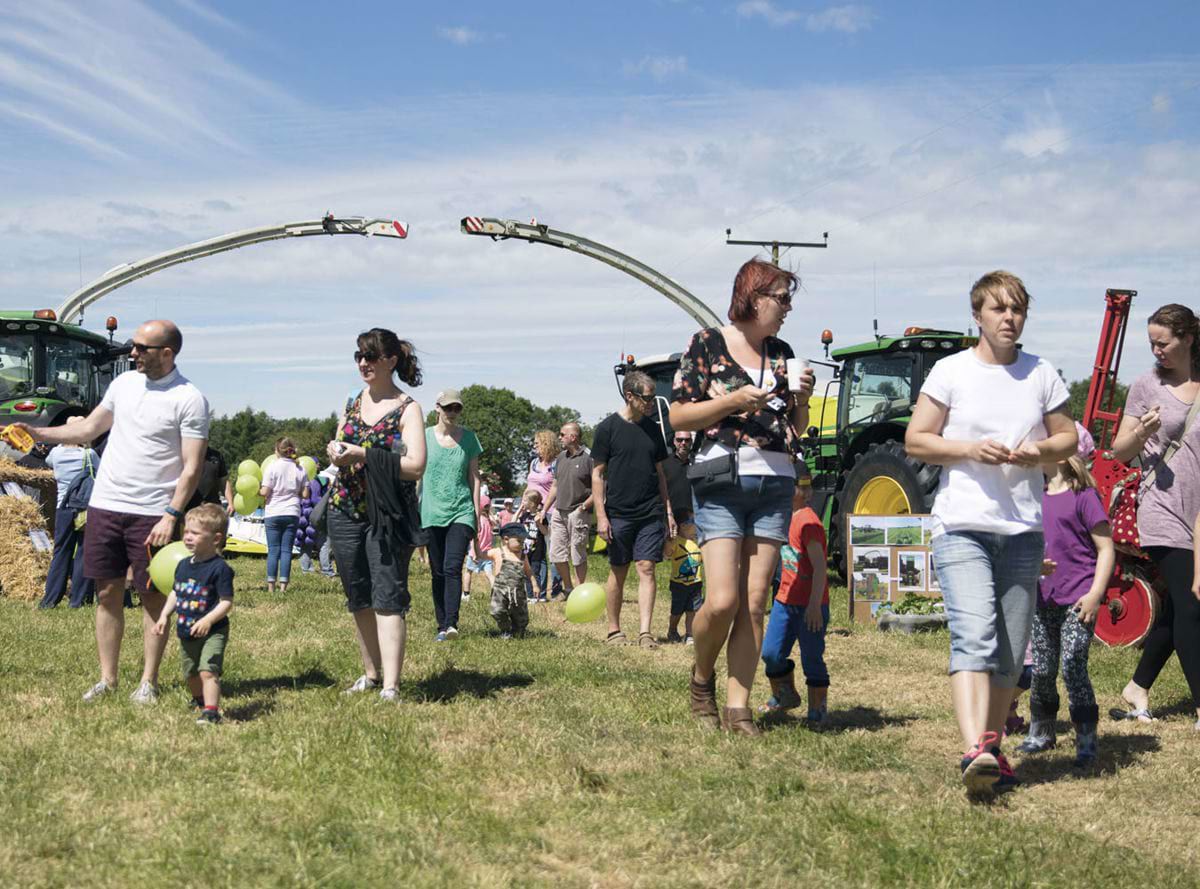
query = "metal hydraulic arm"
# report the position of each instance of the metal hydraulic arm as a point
(1103, 387)
(533, 232)
(131, 271)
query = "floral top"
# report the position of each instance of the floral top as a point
(350, 488)
(707, 371)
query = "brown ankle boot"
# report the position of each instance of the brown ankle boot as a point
(704, 701)
(739, 721)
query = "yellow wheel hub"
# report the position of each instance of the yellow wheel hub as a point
(882, 496)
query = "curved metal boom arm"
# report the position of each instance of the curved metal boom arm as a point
(502, 229)
(131, 271)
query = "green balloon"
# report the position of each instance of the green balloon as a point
(244, 505)
(309, 465)
(247, 485)
(267, 462)
(586, 603)
(162, 566)
(249, 467)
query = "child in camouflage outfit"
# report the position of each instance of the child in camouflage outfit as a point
(509, 606)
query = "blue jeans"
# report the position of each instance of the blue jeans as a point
(785, 628)
(67, 561)
(989, 586)
(281, 534)
(757, 506)
(539, 570)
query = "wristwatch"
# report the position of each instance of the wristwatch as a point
(173, 512)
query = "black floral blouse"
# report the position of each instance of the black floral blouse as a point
(708, 371)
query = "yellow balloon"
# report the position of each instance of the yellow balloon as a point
(267, 462)
(247, 486)
(309, 465)
(244, 505)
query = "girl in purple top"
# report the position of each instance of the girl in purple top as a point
(1079, 541)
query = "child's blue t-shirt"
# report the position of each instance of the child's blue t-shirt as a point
(199, 586)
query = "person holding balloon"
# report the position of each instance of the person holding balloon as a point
(373, 518)
(283, 483)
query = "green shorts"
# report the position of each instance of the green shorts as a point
(204, 654)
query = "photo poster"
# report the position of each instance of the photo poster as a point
(887, 558)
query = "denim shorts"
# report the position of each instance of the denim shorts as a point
(476, 566)
(757, 506)
(989, 586)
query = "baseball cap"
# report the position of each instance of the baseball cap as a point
(513, 529)
(447, 397)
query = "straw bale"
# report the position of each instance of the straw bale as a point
(22, 568)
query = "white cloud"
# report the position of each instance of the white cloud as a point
(1038, 141)
(460, 35)
(658, 67)
(847, 19)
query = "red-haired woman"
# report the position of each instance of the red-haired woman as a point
(731, 388)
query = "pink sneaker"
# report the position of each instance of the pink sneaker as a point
(981, 765)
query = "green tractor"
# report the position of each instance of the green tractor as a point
(855, 443)
(50, 371)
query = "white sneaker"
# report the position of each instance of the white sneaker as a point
(451, 632)
(390, 695)
(690, 640)
(145, 694)
(361, 684)
(97, 691)
(466, 597)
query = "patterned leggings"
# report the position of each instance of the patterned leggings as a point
(1059, 635)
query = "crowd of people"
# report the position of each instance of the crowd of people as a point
(1021, 541)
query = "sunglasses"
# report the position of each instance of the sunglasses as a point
(451, 408)
(143, 347)
(643, 396)
(368, 356)
(683, 441)
(784, 299)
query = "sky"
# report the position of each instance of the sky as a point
(932, 141)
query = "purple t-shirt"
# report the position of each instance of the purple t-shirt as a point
(1167, 508)
(1068, 520)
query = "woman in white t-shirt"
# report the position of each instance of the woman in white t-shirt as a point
(990, 416)
(282, 487)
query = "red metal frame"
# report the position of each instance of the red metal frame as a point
(1103, 387)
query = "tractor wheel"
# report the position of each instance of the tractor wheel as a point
(883, 480)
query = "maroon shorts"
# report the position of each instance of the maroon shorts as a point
(115, 541)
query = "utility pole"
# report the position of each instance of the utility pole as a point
(775, 245)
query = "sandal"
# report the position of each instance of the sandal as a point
(1140, 714)
(647, 640)
(616, 637)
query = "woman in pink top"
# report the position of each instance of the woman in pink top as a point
(541, 469)
(282, 487)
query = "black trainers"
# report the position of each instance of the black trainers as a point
(209, 717)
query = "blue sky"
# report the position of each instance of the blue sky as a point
(934, 141)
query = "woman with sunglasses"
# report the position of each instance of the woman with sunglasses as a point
(450, 496)
(373, 517)
(731, 389)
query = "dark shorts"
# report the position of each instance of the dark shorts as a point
(205, 654)
(373, 569)
(114, 542)
(637, 540)
(686, 597)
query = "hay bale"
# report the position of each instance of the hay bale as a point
(40, 481)
(22, 568)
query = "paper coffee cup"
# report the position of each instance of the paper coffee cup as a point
(795, 369)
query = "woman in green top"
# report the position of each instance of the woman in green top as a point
(449, 506)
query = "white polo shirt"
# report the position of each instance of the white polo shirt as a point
(144, 456)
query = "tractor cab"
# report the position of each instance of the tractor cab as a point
(859, 464)
(50, 371)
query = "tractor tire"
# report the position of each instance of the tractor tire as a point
(882, 480)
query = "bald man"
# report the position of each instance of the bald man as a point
(158, 430)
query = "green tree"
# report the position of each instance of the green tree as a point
(1078, 402)
(236, 436)
(505, 423)
(310, 437)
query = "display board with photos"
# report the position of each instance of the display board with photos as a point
(888, 557)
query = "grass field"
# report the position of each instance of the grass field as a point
(906, 536)
(551, 761)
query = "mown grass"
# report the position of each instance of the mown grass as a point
(553, 760)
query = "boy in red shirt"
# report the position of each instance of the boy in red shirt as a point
(799, 613)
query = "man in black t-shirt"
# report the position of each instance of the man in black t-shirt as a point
(630, 495)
